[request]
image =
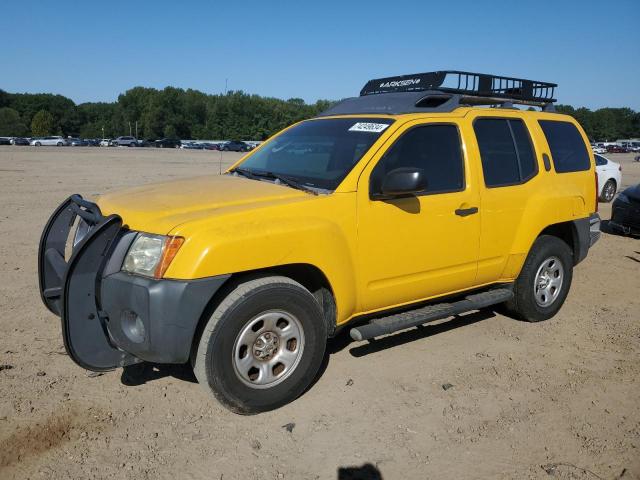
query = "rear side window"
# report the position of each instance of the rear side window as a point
(505, 150)
(567, 147)
(600, 161)
(433, 148)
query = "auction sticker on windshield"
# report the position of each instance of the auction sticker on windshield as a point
(368, 127)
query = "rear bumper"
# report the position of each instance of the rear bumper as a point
(594, 229)
(587, 232)
(110, 318)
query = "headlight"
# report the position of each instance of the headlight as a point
(150, 255)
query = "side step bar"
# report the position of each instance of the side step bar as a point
(412, 318)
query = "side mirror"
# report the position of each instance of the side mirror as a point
(402, 182)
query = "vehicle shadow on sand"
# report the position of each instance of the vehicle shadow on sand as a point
(141, 373)
(416, 333)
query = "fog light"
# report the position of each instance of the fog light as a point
(132, 326)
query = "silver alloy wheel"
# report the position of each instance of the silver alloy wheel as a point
(609, 191)
(268, 349)
(548, 281)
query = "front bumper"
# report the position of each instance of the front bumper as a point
(168, 309)
(111, 318)
(625, 217)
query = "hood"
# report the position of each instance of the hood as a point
(160, 207)
(633, 192)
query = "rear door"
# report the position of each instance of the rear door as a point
(509, 167)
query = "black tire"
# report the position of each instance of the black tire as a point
(38, 144)
(214, 358)
(524, 305)
(59, 144)
(608, 191)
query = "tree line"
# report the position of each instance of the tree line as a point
(177, 113)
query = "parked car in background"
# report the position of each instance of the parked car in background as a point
(167, 143)
(609, 178)
(625, 212)
(19, 141)
(598, 148)
(125, 142)
(210, 146)
(5, 141)
(634, 146)
(105, 142)
(235, 146)
(617, 149)
(93, 142)
(145, 143)
(191, 146)
(44, 141)
(77, 142)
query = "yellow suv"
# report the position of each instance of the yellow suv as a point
(407, 204)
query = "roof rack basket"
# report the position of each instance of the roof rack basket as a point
(494, 88)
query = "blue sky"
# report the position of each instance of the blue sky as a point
(92, 51)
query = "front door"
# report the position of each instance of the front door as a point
(423, 245)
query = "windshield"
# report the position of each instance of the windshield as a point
(318, 153)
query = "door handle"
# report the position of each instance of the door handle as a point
(465, 212)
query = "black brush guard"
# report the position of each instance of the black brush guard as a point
(70, 287)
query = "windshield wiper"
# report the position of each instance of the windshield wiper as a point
(246, 173)
(289, 181)
(253, 175)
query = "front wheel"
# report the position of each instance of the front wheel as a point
(262, 346)
(544, 282)
(59, 144)
(38, 144)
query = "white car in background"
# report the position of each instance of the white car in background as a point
(609, 178)
(598, 148)
(105, 142)
(42, 141)
(124, 142)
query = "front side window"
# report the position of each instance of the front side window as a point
(435, 149)
(505, 151)
(568, 149)
(318, 153)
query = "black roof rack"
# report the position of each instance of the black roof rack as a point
(467, 83)
(444, 91)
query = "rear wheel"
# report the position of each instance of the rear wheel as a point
(262, 346)
(38, 144)
(544, 282)
(59, 144)
(608, 191)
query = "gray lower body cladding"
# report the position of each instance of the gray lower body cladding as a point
(587, 234)
(169, 311)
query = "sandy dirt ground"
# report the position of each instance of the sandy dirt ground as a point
(559, 399)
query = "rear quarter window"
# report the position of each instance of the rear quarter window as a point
(568, 150)
(505, 150)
